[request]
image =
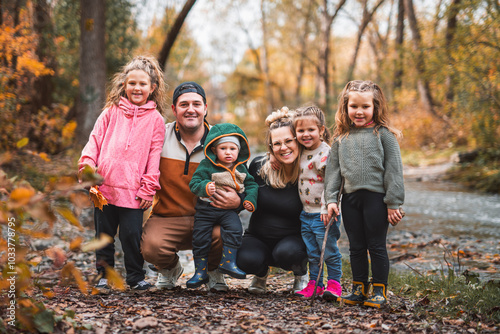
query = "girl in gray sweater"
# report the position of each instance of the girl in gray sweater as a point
(365, 153)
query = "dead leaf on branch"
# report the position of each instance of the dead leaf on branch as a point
(97, 197)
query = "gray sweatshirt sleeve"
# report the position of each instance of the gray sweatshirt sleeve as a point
(393, 174)
(333, 178)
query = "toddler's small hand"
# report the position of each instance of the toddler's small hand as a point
(248, 206)
(211, 188)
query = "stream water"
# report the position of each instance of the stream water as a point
(443, 218)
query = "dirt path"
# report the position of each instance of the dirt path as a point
(237, 311)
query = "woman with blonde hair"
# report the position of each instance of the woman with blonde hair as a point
(273, 237)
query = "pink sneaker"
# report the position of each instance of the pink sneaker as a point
(308, 291)
(333, 291)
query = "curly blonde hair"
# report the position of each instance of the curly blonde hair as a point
(149, 65)
(342, 121)
(277, 178)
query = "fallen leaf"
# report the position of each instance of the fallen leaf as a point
(69, 216)
(75, 244)
(97, 197)
(115, 280)
(96, 244)
(57, 255)
(20, 197)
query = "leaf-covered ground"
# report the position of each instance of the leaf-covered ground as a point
(278, 311)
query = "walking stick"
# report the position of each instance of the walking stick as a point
(339, 196)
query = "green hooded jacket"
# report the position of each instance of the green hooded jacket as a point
(237, 177)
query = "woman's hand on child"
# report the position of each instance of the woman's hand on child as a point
(211, 188)
(394, 216)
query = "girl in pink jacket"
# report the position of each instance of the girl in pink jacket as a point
(124, 147)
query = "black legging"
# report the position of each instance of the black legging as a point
(364, 214)
(256, 255)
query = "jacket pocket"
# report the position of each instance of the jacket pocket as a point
(120, 173)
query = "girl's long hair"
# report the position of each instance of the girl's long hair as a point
(152, 68)
(277, 178)
(380, 111)
(316, 114)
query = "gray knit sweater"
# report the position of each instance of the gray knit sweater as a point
(366, 160)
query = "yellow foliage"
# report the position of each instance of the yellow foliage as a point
(70, 217)
(69, 129)
(115, 280)
(20, 196)
(96, 244)
(23, 142)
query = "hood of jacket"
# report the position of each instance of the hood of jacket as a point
(134, 111)
(222, 130)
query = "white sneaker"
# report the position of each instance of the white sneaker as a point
(258, 285)
(167, 279)
(216, 281)
(300, 282)
(150, 272)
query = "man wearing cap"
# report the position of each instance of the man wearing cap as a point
(170, 227)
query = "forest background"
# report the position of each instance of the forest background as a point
(437, 62)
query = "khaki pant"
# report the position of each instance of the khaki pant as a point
(163, 237)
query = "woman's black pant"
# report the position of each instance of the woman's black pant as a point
(364, 214)
(257, 254)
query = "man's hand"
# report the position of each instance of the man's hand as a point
(226, 199)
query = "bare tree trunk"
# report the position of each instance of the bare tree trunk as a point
(379, 45)
(92, 66)
(423, 82)
(303, 51)
(399, 61)
(324, 58)
(43, 85)
(451, 27)
(367, 17)
(173, 33)
(265, 62)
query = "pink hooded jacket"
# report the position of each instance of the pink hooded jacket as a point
(125, 146)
